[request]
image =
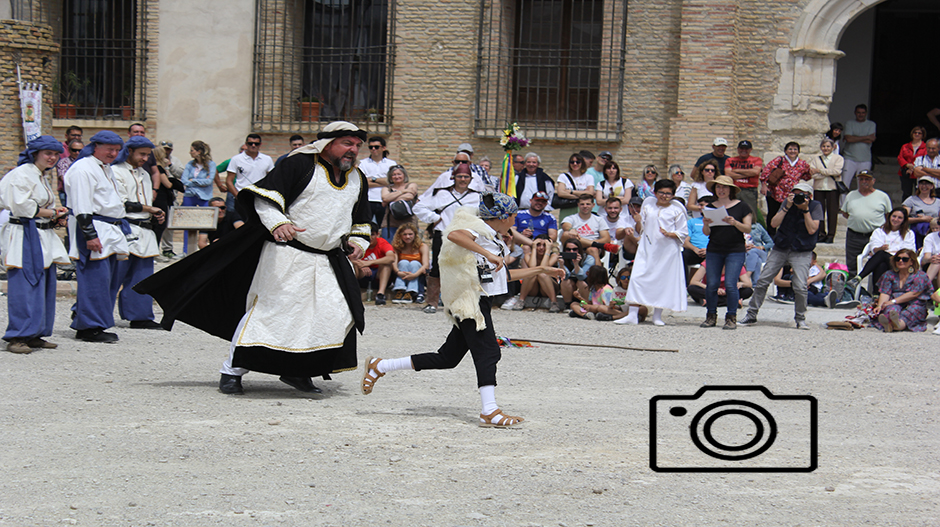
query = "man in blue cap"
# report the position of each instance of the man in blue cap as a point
(98, 232)
(136, 189)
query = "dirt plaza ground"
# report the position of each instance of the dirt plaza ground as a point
(137, 433)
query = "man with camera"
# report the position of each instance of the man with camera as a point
(797, 223)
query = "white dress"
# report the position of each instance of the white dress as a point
(658, 278)
(23, 191)
(294, 302)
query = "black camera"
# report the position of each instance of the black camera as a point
(569, 255)
(799, 199)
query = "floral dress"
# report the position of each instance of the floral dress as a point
(913, 313)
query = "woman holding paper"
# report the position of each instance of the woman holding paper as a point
(726, 248)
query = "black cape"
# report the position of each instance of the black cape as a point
(209, 288)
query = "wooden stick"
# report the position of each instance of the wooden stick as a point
(596, 345)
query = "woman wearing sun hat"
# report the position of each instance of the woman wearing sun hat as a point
(726, 249)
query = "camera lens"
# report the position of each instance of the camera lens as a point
(703, 423)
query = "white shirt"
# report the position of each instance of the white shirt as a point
(135, 185)
(249, 171)
(377, 170)
(439, 207)
(932, 244)
(589, 229)
(581, 182)
(91, 189)
(531, 187)
(500, 283)
(612, 226)
(893, 239)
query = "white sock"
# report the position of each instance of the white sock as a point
(658, 317)
(488, 398)
(633, 317)
(387, 365)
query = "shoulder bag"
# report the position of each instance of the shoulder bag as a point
(564, 203)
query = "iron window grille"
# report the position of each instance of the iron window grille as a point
(323, 60)
(554, 66)
(103, 60)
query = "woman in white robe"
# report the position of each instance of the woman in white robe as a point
(30, 247)
(658, 278)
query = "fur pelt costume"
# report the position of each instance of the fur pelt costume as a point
(460, 283)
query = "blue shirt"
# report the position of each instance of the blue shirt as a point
(539, 224)
(696, 236)
(198, 182)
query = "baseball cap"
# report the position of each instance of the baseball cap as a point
(465, 147)
(540, 195)
(606, 154)
(745, 144)
(720, 141)
(865, 173)
(804, 186)
(928, 179)
(636, 200)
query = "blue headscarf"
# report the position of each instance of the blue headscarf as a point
(496, 205)
(43, 142)
(138, 141)
(104, 137)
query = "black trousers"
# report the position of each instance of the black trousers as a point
(772, 207)
(437, 240)
(482, 345)
(855, 242)
(877, 265)
(830, 203)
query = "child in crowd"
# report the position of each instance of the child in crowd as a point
(594, 299)
(410, 263)
(620, 293)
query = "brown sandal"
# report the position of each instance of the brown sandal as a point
(370, 374)
(498, 419)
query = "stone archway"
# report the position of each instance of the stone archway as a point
(800, 109)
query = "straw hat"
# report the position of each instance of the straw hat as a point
(721, 180)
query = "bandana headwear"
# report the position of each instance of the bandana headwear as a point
(104, 137)
(497, 206)
(138, 141)
(329, 133)
(43, 142)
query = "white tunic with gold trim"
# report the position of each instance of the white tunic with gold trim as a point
(295, 303)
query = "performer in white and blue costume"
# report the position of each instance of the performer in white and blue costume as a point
(30, 247)
(136, 189)
(98, 232)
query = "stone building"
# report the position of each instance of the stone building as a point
(650, 80)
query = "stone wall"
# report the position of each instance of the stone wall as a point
(31, 46)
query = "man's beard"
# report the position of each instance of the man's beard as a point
(341, 163)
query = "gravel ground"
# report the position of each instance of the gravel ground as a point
(136, 433)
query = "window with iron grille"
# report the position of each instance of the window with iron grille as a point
(554, 66)
(323, 60)
(103, 60)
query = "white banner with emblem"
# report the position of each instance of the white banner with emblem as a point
(31, 106)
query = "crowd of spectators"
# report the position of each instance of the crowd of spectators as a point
(721, 235)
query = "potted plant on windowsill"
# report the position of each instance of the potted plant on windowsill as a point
(309, 109)
(67, 89)
(373, 115)
(127, 109)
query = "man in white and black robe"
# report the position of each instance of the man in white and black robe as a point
(274, 288)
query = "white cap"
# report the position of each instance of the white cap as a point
(720, 141)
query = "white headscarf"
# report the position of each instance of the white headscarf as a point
(329, 133)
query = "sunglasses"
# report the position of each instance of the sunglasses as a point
(623, 277)
(461, 162)
(221, 208)
(374, 147)
(75, 150)
(574, 162)
(708, 170)
(902, 258)
(253, 143)
(167, 144)
(651, 172)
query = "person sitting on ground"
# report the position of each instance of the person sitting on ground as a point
(594, 299)
(375, 267)
(903, 292)
(815, 285)
(697, 287)
(535, 221)
(575, 263)
(227, 222)
(585, 228)
(398, 189)
(893, 236)
(620, 294)
(539, 291)
(411, 261)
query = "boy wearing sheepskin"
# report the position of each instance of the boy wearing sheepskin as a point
(472, 272)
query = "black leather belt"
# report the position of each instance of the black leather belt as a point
(44, 225)
(143, 223)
